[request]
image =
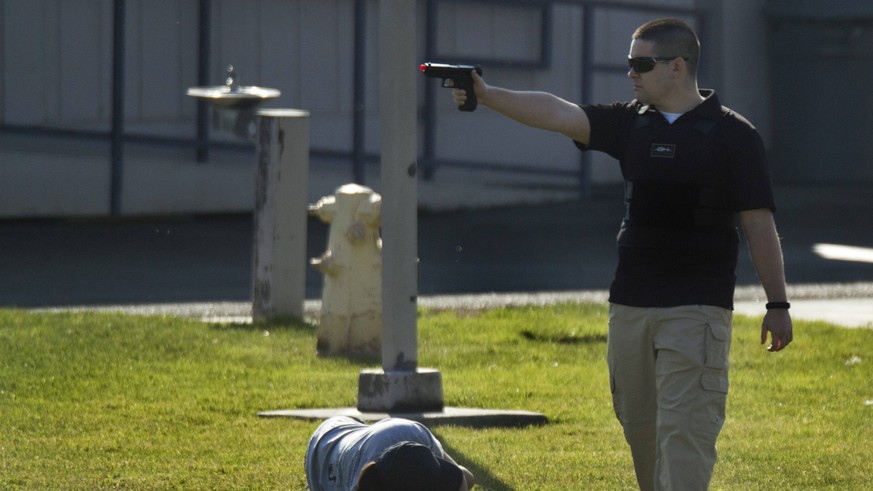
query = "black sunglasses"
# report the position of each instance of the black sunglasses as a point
(645, 64)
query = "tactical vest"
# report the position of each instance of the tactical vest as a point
(673, 199)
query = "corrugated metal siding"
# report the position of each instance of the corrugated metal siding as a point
(56, 66)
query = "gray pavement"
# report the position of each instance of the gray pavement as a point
(844, 304)
(201, 265)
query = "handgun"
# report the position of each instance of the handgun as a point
(460, 77)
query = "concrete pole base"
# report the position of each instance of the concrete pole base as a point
(400, 391)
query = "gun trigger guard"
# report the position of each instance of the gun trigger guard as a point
(446, 83)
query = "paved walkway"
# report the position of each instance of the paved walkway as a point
(848, 304)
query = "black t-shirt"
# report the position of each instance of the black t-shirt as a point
(685, 182)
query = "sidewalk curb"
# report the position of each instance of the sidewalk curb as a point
(845, 304)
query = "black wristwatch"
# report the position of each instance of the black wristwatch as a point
(778, 305)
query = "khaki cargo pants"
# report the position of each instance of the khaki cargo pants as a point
(668, 370)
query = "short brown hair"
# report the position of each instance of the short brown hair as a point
(672, 37)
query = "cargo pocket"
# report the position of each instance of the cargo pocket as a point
(717, 342)
(715, 382)
(708, 418)
(715, 373)
(612, 384)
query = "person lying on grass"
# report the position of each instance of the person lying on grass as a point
(345, 454)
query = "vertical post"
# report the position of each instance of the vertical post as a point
(585, 163)
(117, 132)
(400, 385)
(430, 92)
(281, 211)
(203, 51)
(359, 93)
(398, 102)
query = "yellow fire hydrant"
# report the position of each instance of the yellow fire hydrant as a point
(351, 303)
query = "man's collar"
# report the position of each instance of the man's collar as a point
(710, 108)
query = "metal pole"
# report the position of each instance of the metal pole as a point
(117, 132)
(587, 94)
(400, 386)
(359, 93)
(397, 99)
(430, 92)
(203, 50)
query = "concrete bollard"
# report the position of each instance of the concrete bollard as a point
(351, 307)
(279, 255)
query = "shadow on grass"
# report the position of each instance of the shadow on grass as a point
(273, 324)
(563, 339)
(485, 480)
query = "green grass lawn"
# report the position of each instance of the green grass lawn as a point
(110, 401)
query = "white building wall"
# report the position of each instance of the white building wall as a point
(57, 64)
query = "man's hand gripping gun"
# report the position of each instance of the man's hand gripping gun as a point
(460, 77)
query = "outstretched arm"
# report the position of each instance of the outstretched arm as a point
(537, 109)
(766, 254)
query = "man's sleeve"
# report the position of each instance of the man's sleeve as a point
(750, 177)
(609, 128)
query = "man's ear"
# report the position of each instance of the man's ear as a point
(679, 67)
(684, 69)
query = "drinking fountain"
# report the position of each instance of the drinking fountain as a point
(234, 106)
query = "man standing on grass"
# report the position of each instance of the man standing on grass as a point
(690, 166)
